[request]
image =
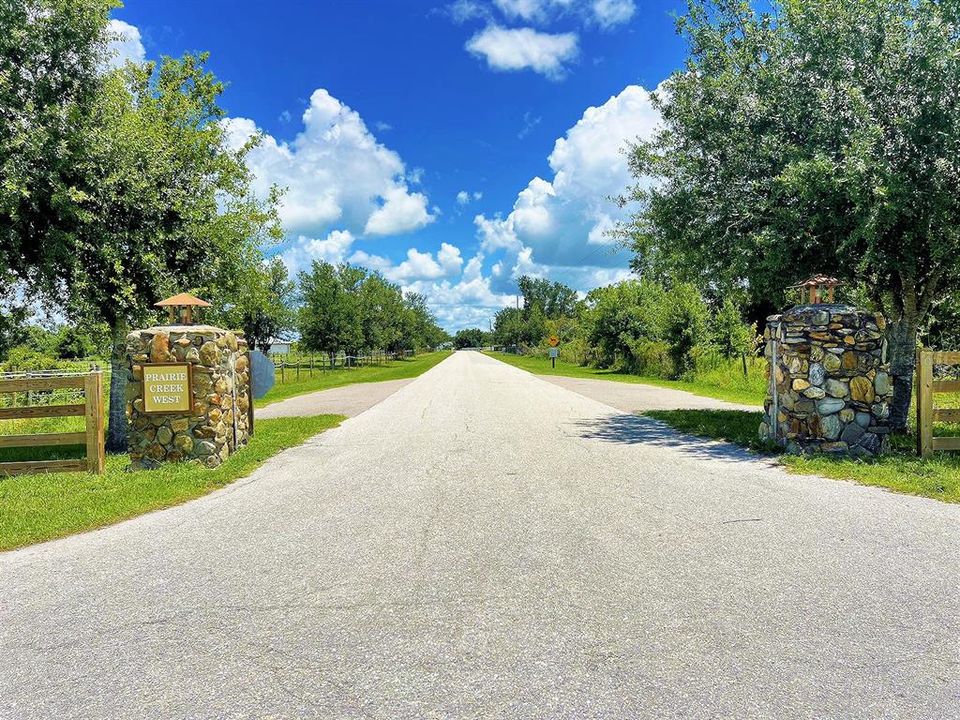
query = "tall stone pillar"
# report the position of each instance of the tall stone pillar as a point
(829, 378)
(187, 394)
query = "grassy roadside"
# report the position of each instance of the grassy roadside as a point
(901, 471)
(326, 379)
(721, 386)
(35, 508)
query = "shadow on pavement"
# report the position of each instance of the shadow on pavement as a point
(639, 430)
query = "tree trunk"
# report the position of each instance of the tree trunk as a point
(117, 429)
(902, 341)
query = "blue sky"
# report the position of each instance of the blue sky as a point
(452, 146)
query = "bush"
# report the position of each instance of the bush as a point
(23, 359)
(577, 351)
(687, 326)
(731, 335)
(651, 358)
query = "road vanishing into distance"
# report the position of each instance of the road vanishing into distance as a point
(486, 544)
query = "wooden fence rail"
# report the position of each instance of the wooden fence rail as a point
(293, 363)
(927, 412)
(91, 409)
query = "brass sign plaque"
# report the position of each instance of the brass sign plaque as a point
(167, 388)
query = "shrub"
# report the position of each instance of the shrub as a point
(24, 358)
(651, 358)
(686, 327)
(731, 335)
(577, 351)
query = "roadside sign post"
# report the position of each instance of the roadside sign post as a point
(554, 351)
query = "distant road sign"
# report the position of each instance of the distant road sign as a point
(554, 352)
(262, 373)
(553, 340)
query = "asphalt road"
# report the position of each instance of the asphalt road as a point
(635, 398)
(485, 544)
(347, 400)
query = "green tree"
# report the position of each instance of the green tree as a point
(944, 330)
(616, 316)
(259, 299)
(468, 338)
(73, 342)
(553, 298)
(509, 327)
(731, 335)
(165, 205)
(823, 136)
(420, 325)
(14, 317)
(331, 320)
(386, 325)
(51, 58)
(686, 326)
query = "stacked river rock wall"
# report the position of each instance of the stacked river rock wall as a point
(218, 423)
(831, 386)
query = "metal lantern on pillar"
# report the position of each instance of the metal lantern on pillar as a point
(818, 289)
(180, 308)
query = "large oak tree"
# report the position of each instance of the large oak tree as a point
(165, 205)
(823, 136)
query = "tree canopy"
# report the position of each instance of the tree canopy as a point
(821, 136)
(51, 72)
(119, 188)
(348, 309)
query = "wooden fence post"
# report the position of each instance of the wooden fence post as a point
(925, 403)
(93, 399)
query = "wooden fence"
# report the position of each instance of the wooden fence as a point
(91, 409)
(288, 366)
(927, 412)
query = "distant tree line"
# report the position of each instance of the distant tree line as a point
(349, 309)
(470, 338)
(667, 330)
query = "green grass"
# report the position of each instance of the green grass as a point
(34, 508)
(720, 384)
(326, 379)
(900, 471)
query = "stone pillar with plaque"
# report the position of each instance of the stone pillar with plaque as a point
(188, 392)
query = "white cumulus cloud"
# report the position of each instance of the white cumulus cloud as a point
(418, 265)
(465, 198)
(304, 250)
(604, 13)
(401, 212)
(563, 220)
(337, 175)
(513, 49)
(125, 44)
(610, 13)
(449, 258)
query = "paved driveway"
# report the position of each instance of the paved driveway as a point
(485, 544)
(637, 398)
(348, 400)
